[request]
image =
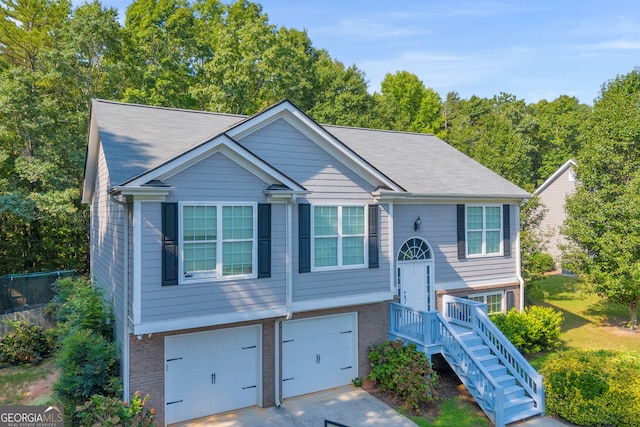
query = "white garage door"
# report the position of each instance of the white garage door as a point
(318, 353)
(211, 372)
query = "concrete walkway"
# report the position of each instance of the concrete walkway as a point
(348, 405)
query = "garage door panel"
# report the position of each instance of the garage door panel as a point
(318, 354)
(210, 372)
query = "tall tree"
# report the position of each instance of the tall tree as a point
(603, 223)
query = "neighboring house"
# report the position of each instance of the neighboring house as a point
(553, 196)
(251, 259)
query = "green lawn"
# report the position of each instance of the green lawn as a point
(589, 320)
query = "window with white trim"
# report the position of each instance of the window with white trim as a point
(492, 299)
(484, 230)
(339, 236)
(217, 241)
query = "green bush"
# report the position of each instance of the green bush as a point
(533, 330)
(111, 412)
(403, 371)
(26, 343)
(88, 365)
(594, 387)
(80, 305)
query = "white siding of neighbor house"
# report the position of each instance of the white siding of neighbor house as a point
(331, 182)
(108, 220)
(439, 228)
(554, 197)
(214, 179)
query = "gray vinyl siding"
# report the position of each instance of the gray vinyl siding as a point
(288, 150)
(439, 229)
(331, 182)
(554, 197)
(215, 179)
(108, 220)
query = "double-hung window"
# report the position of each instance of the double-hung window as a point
(339, 237)
(217, 241)
(492, 299)
(484, 230)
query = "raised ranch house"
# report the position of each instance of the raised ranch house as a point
(252, 259)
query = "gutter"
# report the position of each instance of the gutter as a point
(519, 259)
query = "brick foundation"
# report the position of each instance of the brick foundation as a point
(463, 292)
(147, 362)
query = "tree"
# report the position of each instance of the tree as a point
(603, 216)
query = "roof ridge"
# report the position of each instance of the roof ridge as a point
(378, 130)
(159, 107)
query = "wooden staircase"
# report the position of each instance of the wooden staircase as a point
(501, 380)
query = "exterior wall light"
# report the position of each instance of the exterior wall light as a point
(416, 224)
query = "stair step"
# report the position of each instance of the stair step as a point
(488, 360)
(518, 405)
(497, 370)
(521, 416)
(505, 380)
(480, 350)
(513, 392)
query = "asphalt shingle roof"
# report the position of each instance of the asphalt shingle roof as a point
(138, 138)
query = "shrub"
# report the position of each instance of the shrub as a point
(88, 365)
(26, 343)
(403, 371)
(533, 330)
(80, 305)
(110, 412)
(594, 387)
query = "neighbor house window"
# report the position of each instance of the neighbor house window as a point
(338, 236)
(492, 299)
(218, 241)
(484, 230)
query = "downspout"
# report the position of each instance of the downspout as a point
(289, 258)
(125, 297)
(277, 362)
(519, 259)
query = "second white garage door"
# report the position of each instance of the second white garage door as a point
(318, 353)
(211, 372)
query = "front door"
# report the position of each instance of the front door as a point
(415, 275)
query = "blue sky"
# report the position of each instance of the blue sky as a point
(538, 49)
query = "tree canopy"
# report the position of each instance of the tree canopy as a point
(603, 223)
(216, 56)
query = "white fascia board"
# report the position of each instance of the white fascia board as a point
(317, 134)
(474, 284)
(91, 161)
(221, 144)
(555, 175)
(345, 301)
(143, 193)
(411, 198)
(140, 328)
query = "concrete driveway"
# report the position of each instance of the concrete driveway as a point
(346, 405)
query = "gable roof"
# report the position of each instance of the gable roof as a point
(425, 165)
(568, 164)
(141, 141)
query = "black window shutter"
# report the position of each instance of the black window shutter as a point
(304, 238)
(506, 230)
(374, 259)
(169, 244)
(511, 300)
(462, 249)
(264, 240)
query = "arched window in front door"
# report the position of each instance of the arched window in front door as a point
(414, 249)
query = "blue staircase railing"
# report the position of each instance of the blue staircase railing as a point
(431, 330)
(473, 315)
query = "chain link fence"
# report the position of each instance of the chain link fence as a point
(24, 291)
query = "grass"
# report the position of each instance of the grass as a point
(589, 320)
(15, 382)
(454, 412)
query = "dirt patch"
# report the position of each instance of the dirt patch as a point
(41, 389)
(622, 331)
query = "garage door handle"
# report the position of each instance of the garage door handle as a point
(317, 359)
(213, 378)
